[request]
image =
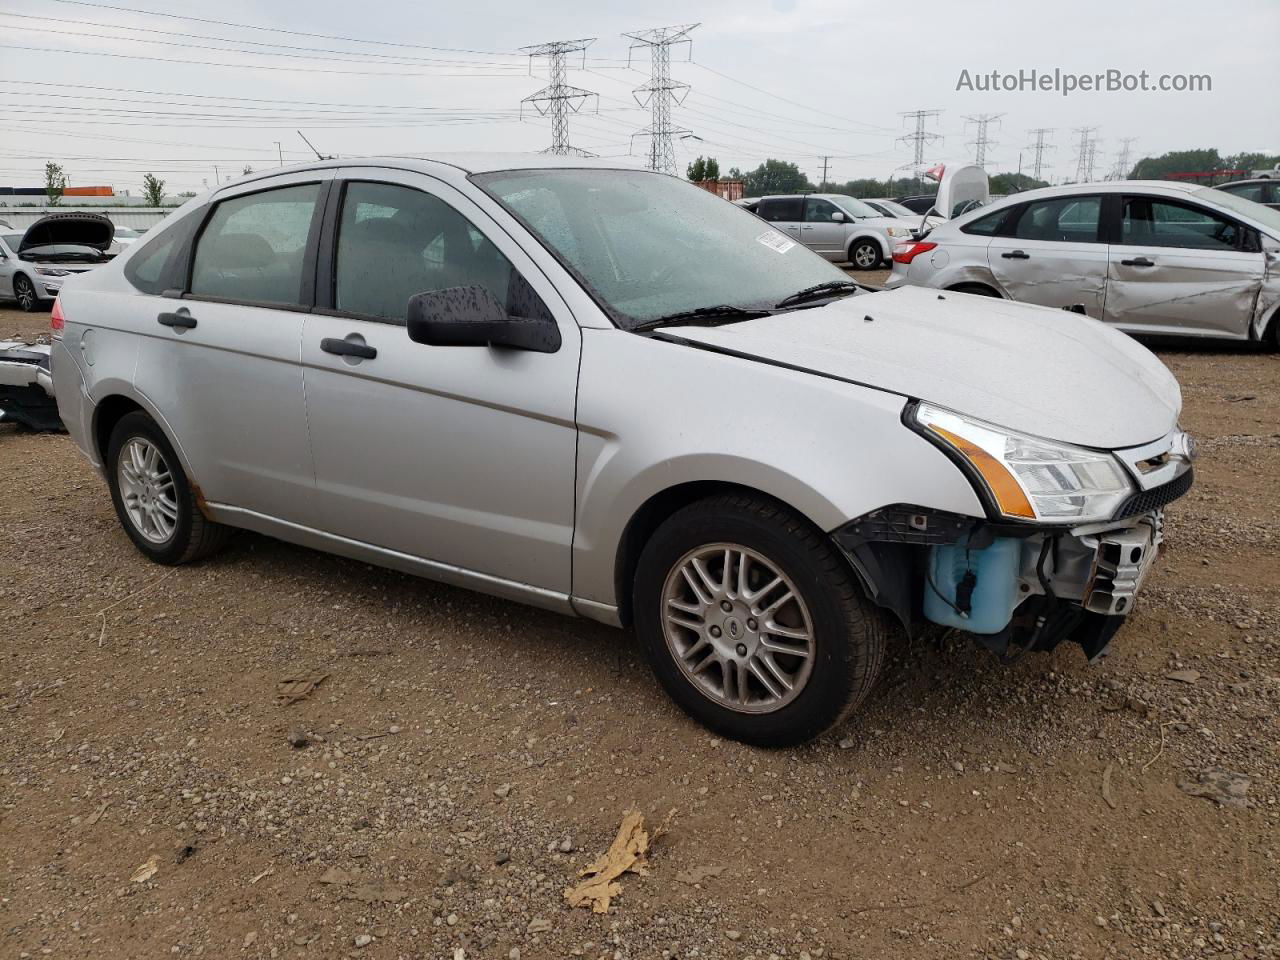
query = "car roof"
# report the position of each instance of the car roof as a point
(1237, 183)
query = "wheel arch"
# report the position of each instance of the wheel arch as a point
(975, 286)
(882, 242)
(656, 510)
(119, 402)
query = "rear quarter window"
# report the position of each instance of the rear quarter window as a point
(986, 226)
(159, 264)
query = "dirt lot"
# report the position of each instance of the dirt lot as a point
(465, 757)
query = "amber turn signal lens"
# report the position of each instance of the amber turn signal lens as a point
(1007, 491)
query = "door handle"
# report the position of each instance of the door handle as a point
(806, 228)
(1016, 255)
(183, 319)
(348, 348)
(1138, 262)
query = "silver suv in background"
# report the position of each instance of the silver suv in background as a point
(1153, 257)
(609, 393)
(835, 226)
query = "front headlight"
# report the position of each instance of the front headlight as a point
(1029, 478)
(51, 272)
(899, 231)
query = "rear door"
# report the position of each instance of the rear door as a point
(463, 456)
(219, 358)
(785, 213)
(1052, 252)
(1179, 268)
(819, 232)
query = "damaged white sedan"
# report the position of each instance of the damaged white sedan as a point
(609, 393)
(1148, 257)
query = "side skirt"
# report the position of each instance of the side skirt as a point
(394, 560)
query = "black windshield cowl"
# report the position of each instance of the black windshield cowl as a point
(817, 291)
(702, 317)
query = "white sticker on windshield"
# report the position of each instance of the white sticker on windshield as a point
(775, 241)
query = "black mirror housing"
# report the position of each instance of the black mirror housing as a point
(472, 317)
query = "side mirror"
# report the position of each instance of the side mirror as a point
(472, 317)
(838, 217)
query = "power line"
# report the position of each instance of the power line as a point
(982, 141)
(1039, 146)
(1121, 170)
(661, 92)
(294, 33)
(920, 136)
(558, 98)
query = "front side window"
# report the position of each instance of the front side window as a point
(1062, 219)
(782, 209)
(648, 246)
(1151, 222)
(817, 210)
(253, 247)
(394, 242)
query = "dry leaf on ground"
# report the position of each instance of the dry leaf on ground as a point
(299, 687)
(625, 854)
(146, 871)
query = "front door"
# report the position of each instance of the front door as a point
(1051, 252)
(1179, 268)
(221, 362)
(462, 456)
(819, 232)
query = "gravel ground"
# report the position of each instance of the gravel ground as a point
(464, 757)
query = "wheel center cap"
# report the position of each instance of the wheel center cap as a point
(733, 627)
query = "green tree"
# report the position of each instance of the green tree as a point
(55, 182)
(153, 190)
(700, 169)
(1006, 183)
(775, 176)
(1176, 161)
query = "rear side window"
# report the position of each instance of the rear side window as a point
(253, 247)
(1062, 219)
(817, 210)
(985, 226)
(782, 209)
(394, 242)
(156, 266)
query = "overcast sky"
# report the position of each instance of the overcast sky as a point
(794, 79)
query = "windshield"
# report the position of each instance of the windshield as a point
(898, 210)
(126, 233)
(646, 245)
(1246, 208)
(855, 208)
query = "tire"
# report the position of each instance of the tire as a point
(846, 635)
(161, 515)
(25, 293)
(865, 254)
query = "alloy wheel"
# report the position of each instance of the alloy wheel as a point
(866, 256)
(147, 490)
(738, 628)
(25, 293)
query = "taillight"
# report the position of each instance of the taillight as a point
(56, 321)
(906, 252)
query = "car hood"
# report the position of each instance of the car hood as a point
(1041, 371)
(82, 229)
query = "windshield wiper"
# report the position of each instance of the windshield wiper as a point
(817, 291)
(703, 316)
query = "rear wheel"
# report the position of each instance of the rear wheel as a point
(979, 289)
(152, 497)
(865, 254)
(753, 622)
(25, 293)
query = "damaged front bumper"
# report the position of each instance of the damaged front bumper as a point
(1013, 587)
(26, 386)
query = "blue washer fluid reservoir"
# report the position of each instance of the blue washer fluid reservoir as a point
(995, 586)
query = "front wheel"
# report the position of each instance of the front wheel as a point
(753, 621)
(25, 293)
(865, 254)
(152, 497)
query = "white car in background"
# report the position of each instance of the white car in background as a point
(1149, 257)
(835, 226)
(34, 262)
